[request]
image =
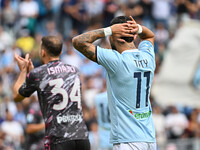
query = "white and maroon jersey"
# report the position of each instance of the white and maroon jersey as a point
(59, 92)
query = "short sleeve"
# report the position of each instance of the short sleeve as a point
(108, 58)
(146, 46)
(29, 86)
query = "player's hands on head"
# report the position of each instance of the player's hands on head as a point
(129, 29)
(122, 30)
(23, 63)
(133, 25)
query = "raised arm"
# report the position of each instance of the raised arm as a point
(21, 79)
(147, 35)
(83, 42)
(25, 65)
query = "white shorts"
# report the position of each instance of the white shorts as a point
(135, 146)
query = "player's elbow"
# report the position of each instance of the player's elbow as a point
(75, 41)
(153, 36)
(78, 43)
(17, 97)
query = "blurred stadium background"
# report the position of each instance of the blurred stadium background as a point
(176, 88)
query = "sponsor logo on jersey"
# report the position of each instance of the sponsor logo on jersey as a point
(140, 115)
(68, 118)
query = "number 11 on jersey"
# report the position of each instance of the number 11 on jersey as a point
(138, 76)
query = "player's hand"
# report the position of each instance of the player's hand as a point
(122, 30)
(30, 66)
(133, 25)
(21, 62)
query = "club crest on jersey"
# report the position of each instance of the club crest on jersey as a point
(131, 112)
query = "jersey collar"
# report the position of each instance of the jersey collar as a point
(130, 50)
(54, 60)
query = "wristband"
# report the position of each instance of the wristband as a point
(108, 31)
(140, 29)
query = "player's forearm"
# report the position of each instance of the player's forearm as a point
(32, 128)
(21, 79)
(84, 41)
(87, 38)
(146, 34)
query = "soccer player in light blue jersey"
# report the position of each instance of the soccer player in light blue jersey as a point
(103, 118)
(130, 72)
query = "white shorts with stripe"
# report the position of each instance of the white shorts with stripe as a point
(135, 146)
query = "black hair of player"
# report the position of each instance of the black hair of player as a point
(52, 45)
(119, 20)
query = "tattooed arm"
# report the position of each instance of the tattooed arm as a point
(83, 42)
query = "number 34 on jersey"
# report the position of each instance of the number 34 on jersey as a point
(74, 95)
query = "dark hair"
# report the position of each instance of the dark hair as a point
(52, 45)
(122, 19)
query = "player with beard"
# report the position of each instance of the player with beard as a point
(58, 88)
(130, 72)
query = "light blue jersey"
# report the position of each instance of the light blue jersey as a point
(101, 103)
(129, 79)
